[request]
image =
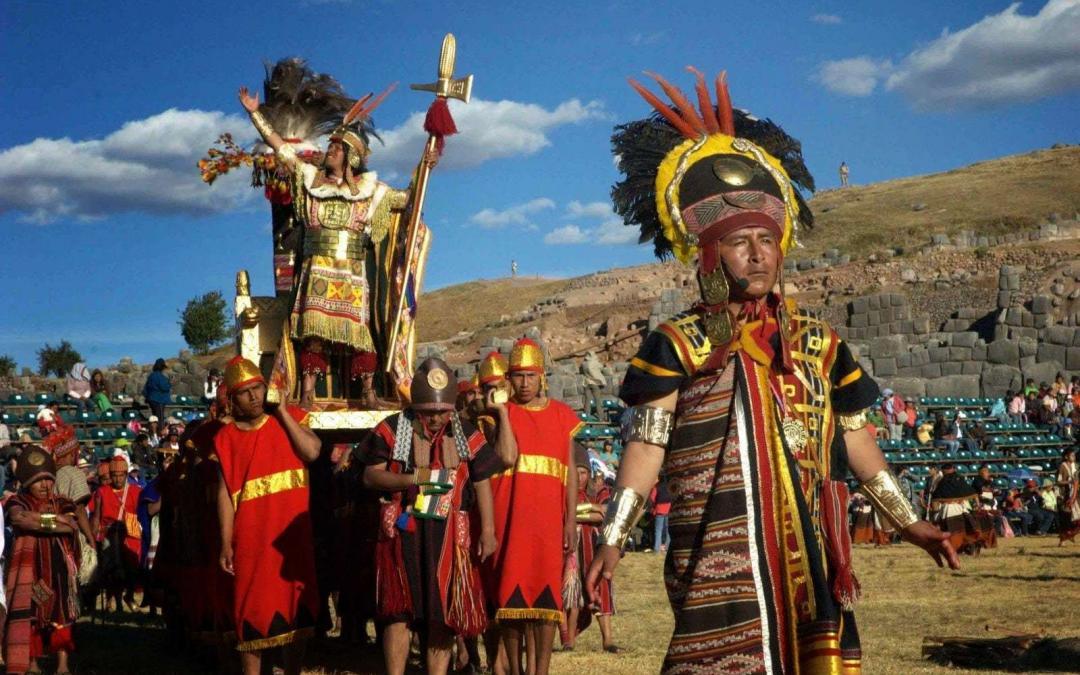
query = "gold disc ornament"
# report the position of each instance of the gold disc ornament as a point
(795, 434)
(438, 379)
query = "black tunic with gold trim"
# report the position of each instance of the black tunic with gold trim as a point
(759, 564)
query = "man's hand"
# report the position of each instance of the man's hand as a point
(488, 544)
(249, 101)
(226, 558)
(602, 568)
(431, 158)
(422, 474)
(491, 403)
(569, 536)
(933, 541)
(65, 519)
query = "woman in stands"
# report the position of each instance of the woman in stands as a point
(99, 391)
(1068, 483)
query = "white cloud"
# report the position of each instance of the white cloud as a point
(567, 234)
(146, 166)
(827, 19)
(858, 76)
(486, 130)
(1004, 58)
(576, 209)
(519, 214)
(609, 232)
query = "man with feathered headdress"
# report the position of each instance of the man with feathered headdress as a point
(345, 214)
(754, 407)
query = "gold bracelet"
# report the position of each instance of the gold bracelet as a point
(884, 493)
(262, 125)
(853, 421)
(47, 521)
(623, 512)
(650, 425)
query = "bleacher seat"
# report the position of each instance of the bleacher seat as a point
(131, 415)
(84, 417)
(124, 432)
(29, 418)
(18, 399)
(42, 398)
(109, 415)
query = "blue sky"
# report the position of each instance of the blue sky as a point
(107, 230)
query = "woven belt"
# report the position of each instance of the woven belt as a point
(338, 244)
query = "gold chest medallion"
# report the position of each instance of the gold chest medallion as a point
(334, 214)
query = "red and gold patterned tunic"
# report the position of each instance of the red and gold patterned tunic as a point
(276, 601)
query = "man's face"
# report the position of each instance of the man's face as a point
(335, 156)
(984, 473)
(41, 489)
(433, 420)
(582, 476)
(248, 401)
(117, 478)
(751, 253)
(468, 398)
(526, 385)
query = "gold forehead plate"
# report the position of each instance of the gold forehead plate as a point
(732, 171)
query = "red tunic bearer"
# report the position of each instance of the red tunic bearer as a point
(530, 505)
(275, 595)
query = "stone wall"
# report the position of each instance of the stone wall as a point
(971, 354)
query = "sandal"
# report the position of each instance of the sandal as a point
(613, 649)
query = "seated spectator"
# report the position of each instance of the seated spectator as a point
(1041, 518)
(78, 386)
(100, 392)
(1029, 387)
(876, 424)
(924, 434)
(1048, 495)
(998, 411)
(1016, 511)
(963, 432)
(48, 418)
(983, 481)
(945, 434)
(1017, 408)
(1060, 387)
(210, 387)
(1031, 407)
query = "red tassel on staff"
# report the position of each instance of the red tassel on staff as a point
(439, 123)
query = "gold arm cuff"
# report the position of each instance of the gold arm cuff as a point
(852, 421)
(262, 125)
(649, 425)
(623, 512)
(884, 493)
(47, 521)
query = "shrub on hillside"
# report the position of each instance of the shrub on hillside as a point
(203, 322)
(7, 366)
(57, 360)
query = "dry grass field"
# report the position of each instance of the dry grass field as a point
(1023, 586)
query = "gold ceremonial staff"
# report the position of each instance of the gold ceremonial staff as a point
(445, 87)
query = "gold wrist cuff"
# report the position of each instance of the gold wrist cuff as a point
(261, 125)
(884, 493)
(623, 512)
(852, 421)
(649, 425)
(47, 521)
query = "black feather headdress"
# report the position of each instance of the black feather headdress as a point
(642, 146)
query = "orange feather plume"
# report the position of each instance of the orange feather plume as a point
(361, 111)
(676, 121)
(708, 113)
(723, 105)
(686, 109)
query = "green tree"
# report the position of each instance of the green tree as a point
(57, 360)
(204, 322)
(7, 366)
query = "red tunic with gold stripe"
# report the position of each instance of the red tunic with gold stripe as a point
(275, 596)
(530, 509)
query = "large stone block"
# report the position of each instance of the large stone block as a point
(1050, 352)
(921, 325)
(1043, 372)
(972, 367)
(997, 379)
(931, 370)
(912, 387)
(1040, 304)
(954, 385)
(859, 305)
(965, 339)
(959, 353)
(892, 345)
(978, 352)
(1041, 321)
(1028, 346)
(1059, 335)
(939, 354)
(873, 317)
(1006, 352)
(1072, 359)
(858, 320)
(903, 360)
(951, 368)
(885, 367)
(920, 357)
(875, 302)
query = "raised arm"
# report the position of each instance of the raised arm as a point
(505, 443)
(251, 105)
(304, 441)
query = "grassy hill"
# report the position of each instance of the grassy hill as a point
(991, 197)
(472, 305)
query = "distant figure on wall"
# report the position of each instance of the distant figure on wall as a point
(844, 174)
(513, 268)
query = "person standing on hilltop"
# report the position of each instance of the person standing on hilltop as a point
(844, 171)
(593, 371)
(755, 408)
